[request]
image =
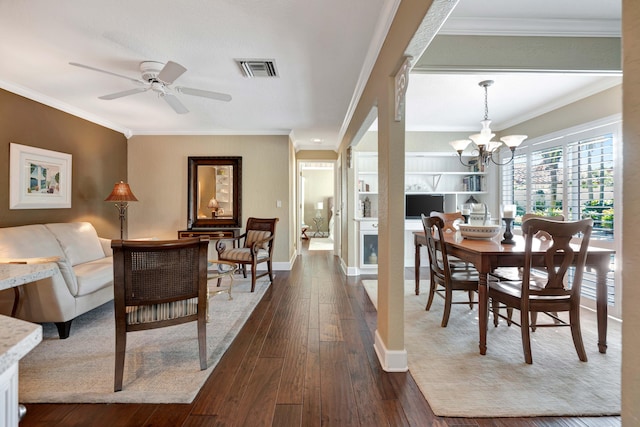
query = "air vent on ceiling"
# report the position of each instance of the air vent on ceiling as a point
(258, 67)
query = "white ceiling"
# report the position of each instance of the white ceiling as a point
(323, 52)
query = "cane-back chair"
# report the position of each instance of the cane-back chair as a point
(158, 283)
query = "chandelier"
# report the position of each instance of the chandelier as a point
(483, 148)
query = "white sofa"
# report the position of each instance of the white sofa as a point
(84, 279)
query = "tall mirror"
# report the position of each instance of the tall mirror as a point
(215, 188)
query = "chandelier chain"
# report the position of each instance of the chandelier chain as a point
(486, 102)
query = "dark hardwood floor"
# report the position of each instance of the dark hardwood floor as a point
(304, 358)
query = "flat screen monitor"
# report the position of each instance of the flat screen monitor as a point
(416, 204)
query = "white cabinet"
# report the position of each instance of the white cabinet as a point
(368, 246)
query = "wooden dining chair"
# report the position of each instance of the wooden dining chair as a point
(158, 283)
(560, 291)
(450, 221)
(515, 273)
(444, 279)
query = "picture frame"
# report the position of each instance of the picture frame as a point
(39, 178)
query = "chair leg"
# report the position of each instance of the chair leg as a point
(509, 314)
(270, 270)
(432, 292)
(254, 273)
(574, 319)
(526, 338)
(534, 319)
(202, 341)
(448, 296)
(495, 308)
(121, 345)
(471, 299)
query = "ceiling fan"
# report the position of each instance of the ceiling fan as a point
(159, 77)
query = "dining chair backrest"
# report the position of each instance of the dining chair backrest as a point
(542, 235)
(437, 251)
(559, 255)
(449, 220)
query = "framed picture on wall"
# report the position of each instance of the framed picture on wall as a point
(39, 178)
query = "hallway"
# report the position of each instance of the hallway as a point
(304, 358)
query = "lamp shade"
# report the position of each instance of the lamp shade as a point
(213, 203)
(319, 206)
(460, 144)
(121, 193)
(513, 141)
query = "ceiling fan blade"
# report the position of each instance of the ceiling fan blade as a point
(105, 72)
(175, 103)
(124, 93)
(170, 72)
(204, 93)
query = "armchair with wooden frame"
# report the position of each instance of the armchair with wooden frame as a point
(158, 283)
(560, 291)
(444, 279)
(253, 247)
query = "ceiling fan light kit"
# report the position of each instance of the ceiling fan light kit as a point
(159, 77)
(482, 142)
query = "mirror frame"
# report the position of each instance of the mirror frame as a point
(192, 196)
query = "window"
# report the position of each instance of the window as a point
(572, 175)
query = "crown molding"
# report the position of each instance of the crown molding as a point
(532, 27)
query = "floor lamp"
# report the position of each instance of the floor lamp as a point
(121, 195)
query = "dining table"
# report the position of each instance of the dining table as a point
(488, 254)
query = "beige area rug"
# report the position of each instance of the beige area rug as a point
(161, 365)
(321, 244)
(459, 382)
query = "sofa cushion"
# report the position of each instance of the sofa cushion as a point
(29, 241)
(93, 275)
(79, 241)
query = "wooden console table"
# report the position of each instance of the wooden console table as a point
(211, 233)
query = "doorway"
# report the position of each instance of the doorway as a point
(317, 209)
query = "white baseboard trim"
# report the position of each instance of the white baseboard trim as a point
(390, 360)
(348, 271)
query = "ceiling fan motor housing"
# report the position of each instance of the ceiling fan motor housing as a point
(150, 70)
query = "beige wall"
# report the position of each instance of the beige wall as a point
(158, 178)
(600, 105)
(631, 198)
(99, 159)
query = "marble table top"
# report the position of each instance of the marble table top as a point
(17, 338)
(12, 275)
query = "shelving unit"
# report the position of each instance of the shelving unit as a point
(223, 189)
(425, 173)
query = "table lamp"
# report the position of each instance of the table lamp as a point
(214, 206)
(121, 195)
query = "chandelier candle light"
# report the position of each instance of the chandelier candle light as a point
(122, 195)
(482, 144)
